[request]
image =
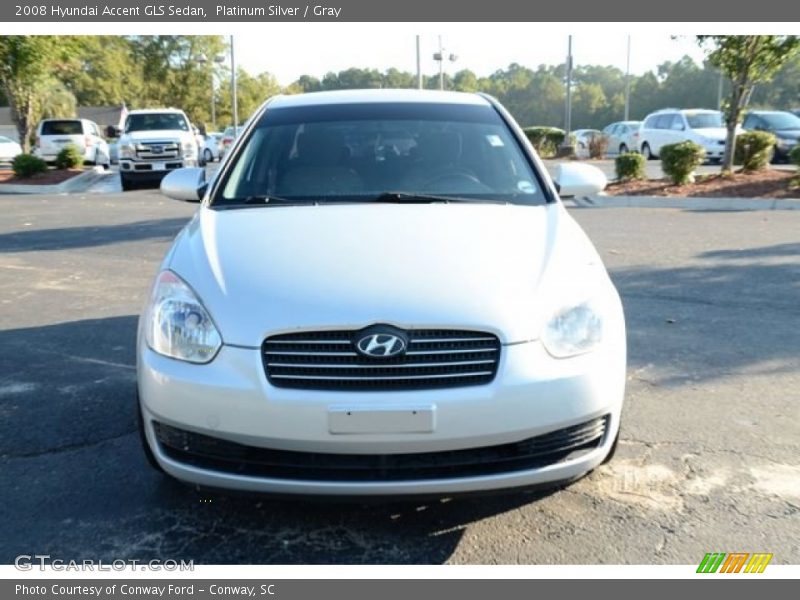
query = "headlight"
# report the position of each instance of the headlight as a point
(189, 149)
(177, 325)
(126, 151)
(573, 330)
(785, 142)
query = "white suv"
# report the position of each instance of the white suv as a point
(671, 126)
(154, 142)
(53, 135)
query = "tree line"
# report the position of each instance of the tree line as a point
(49, 76)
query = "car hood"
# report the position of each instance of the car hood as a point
(158, 134)
(788, 134)
(263, 270)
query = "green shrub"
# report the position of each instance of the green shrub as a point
(794, 155)
(630, 166)
(546, 140)
(28, 165)
(754, 150)
(598, 145)
(69, 157)
(678, 161)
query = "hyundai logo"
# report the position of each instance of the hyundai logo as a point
(381, 345)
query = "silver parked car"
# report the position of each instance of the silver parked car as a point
(381, 294)
(623, 136)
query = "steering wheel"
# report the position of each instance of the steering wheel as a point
(456, 175)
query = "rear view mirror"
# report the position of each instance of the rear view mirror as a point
(575, 179)
(188, 184)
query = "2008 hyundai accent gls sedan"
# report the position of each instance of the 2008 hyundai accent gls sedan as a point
(381, 293)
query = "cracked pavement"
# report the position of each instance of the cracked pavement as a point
(708, 459)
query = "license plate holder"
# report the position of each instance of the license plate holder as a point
(361, 419)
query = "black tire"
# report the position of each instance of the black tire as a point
(623, 148)
(148, 453)
(127, 184)
(208, 156)
(648, 154)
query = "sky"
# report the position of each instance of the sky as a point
(290, 50)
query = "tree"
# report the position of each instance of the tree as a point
(28, 65)
(746, 60)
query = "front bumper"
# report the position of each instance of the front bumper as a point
(153, 169)
(532, 395)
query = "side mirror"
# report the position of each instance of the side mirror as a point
(575, 179)
(188, 184)
(113, 132)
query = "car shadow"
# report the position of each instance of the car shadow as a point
(69, 238)
(727, 312)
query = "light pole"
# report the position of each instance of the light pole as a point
(439, 56)
(234, 99)
(568, 107)
(419, 67)
(218, 59)
(628, 83)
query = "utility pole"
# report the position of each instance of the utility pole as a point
(441, 64)
(628, 83)
(419, 67)
(234, 99)
(568, 108)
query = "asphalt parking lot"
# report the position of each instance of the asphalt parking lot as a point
(708, 459)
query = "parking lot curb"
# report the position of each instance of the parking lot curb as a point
(687, 203)
(79, 183)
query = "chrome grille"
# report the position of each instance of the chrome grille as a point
(157, 150)
(328, 360)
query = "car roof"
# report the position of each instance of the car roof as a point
(145, 111)
(377, 96)
(768, 112)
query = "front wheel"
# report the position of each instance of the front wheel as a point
(208, 155)
(648, 154)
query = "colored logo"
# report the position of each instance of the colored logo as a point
(737, 562)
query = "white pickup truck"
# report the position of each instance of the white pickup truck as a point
(153, 143)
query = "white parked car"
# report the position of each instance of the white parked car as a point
(9, 149)
(623, 136)
(338, 319)
(671, 126)
(212, 146)
(52, 135)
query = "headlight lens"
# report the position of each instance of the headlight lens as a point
(126, 150)
(573, 330)
(177, 324)
(189, 149)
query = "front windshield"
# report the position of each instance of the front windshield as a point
(155, 121)
(704, 120)
(357, 152)
(780, 121)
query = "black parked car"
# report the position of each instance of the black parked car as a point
(785, 126)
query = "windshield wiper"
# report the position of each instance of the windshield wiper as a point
(264, 201)
(412, 198)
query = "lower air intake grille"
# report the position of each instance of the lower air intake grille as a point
(216, 454)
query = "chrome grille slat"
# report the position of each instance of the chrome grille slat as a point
(328, 360)
(382, 377)
(377, 366)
